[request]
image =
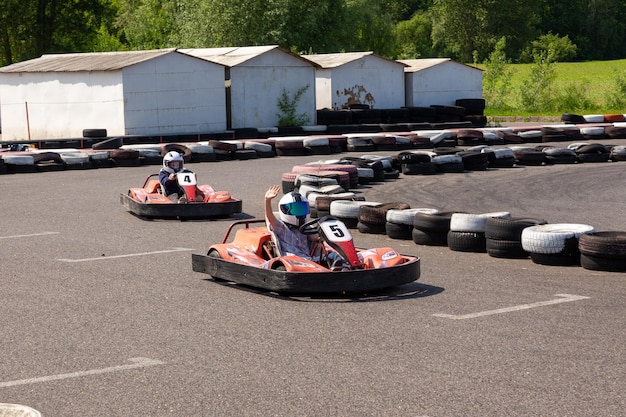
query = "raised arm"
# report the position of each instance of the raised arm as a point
(270, 194)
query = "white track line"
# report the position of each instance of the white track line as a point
(30, 235)
(138, 363)
(100, 258)
(564, 298)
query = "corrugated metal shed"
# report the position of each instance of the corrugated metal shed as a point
(413, 65)
(256, 76)
(440, 81)
(339, 59)
(343, 79)
(97, 61)
(234, 56)
(154, 92)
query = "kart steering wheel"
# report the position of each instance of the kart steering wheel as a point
(308, 227)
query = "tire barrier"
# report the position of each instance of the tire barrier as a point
(502, 147)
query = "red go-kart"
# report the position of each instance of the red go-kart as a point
(200, 201)
(253, 259)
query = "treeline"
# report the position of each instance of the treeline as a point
(465, 30)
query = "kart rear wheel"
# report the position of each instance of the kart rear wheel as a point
(213, 253)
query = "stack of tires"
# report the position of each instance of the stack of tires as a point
(554, 244)
(431, 229)
(373, 219)
(474, 110)
(603, 251)
(504, 236)
(399, 223)
(348, 211)
(467, 231)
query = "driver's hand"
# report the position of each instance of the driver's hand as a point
(272, 192)
(172, 177)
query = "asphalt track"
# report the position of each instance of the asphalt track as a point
(101, 314)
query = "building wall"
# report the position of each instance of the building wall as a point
(369, 80)
(60, 105)
(174, 94)
(257, 85)
(443, 84)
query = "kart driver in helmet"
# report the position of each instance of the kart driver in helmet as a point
(172, 164)
(293, 212)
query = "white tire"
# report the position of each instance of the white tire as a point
(309, 142)
(594, 118)
(550, 239)
(530, 134)
(18, 159)
(406, 216)
(257, 146)
(446, 159)
(75, 158)
(201, 149)
(504, 153)
(467, 222)
(365, 172)
(592, 131)
(348, 209)
(308, 179)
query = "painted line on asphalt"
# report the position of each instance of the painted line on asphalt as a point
(29, 235)
(563, 298)
(101, 258)
(138, 363)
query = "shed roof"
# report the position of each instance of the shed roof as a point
(94, 61)
(413, 65)
(232, 56)
(339, 59)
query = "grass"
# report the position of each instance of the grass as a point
(595, 79)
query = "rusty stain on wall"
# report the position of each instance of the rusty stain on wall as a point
(354, 95)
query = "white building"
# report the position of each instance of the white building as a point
(358, 78)
(128, 93)
(256, 77)
(440, 81)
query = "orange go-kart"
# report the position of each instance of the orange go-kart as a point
(200, 201)
(253, 258)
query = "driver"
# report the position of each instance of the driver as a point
(293, 213)
(172, 164)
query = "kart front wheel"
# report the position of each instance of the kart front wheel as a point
(213, 253)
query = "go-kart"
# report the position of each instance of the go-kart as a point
(253, 259)
(199, 201)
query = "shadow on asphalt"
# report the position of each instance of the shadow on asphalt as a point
(404, 292)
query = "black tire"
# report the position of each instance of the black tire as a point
(213, 253)
(597, 263)
(94, 133)
(111, 143)
(509, 229)
(376, 229)
(559, 259)
(610, 245)
(437, 223)
(399, 231)
(422, 168)
(505, 249)
(467, 241)
(423, 237)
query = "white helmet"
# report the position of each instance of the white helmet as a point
(293, 209)
(172, 156)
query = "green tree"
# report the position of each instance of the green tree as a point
(497, 78)
(555, 47)
(413, 37)
(469, 29)
(31, 28)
